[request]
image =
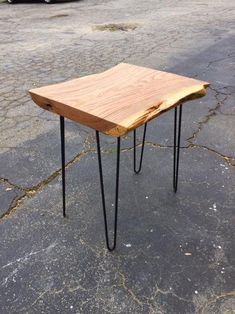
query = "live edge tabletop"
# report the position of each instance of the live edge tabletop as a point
(120, 99)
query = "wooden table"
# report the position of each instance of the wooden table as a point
(116, 102)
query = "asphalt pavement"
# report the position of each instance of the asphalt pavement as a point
(175, 252)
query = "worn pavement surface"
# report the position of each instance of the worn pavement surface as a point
(175, 253)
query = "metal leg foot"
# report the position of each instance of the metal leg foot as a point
(110, 248)
(177, 134)
(63, 162)
(142, 150)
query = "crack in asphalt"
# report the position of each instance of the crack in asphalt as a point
(13, 185)
(215, 299)
(221, 59)
(229, 160)
(30, 192)
(126, 288)
(211, 113)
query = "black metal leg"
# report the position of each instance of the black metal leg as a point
(142, 150)
(110, 248)
(63, 161)
(177, 134)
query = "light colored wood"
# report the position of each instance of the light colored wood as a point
(120, 99)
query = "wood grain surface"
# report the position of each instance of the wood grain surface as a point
(120, 99)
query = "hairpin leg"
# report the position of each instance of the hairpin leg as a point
(63, 161)
(110, 248)
(142, 150)
(177, 134)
